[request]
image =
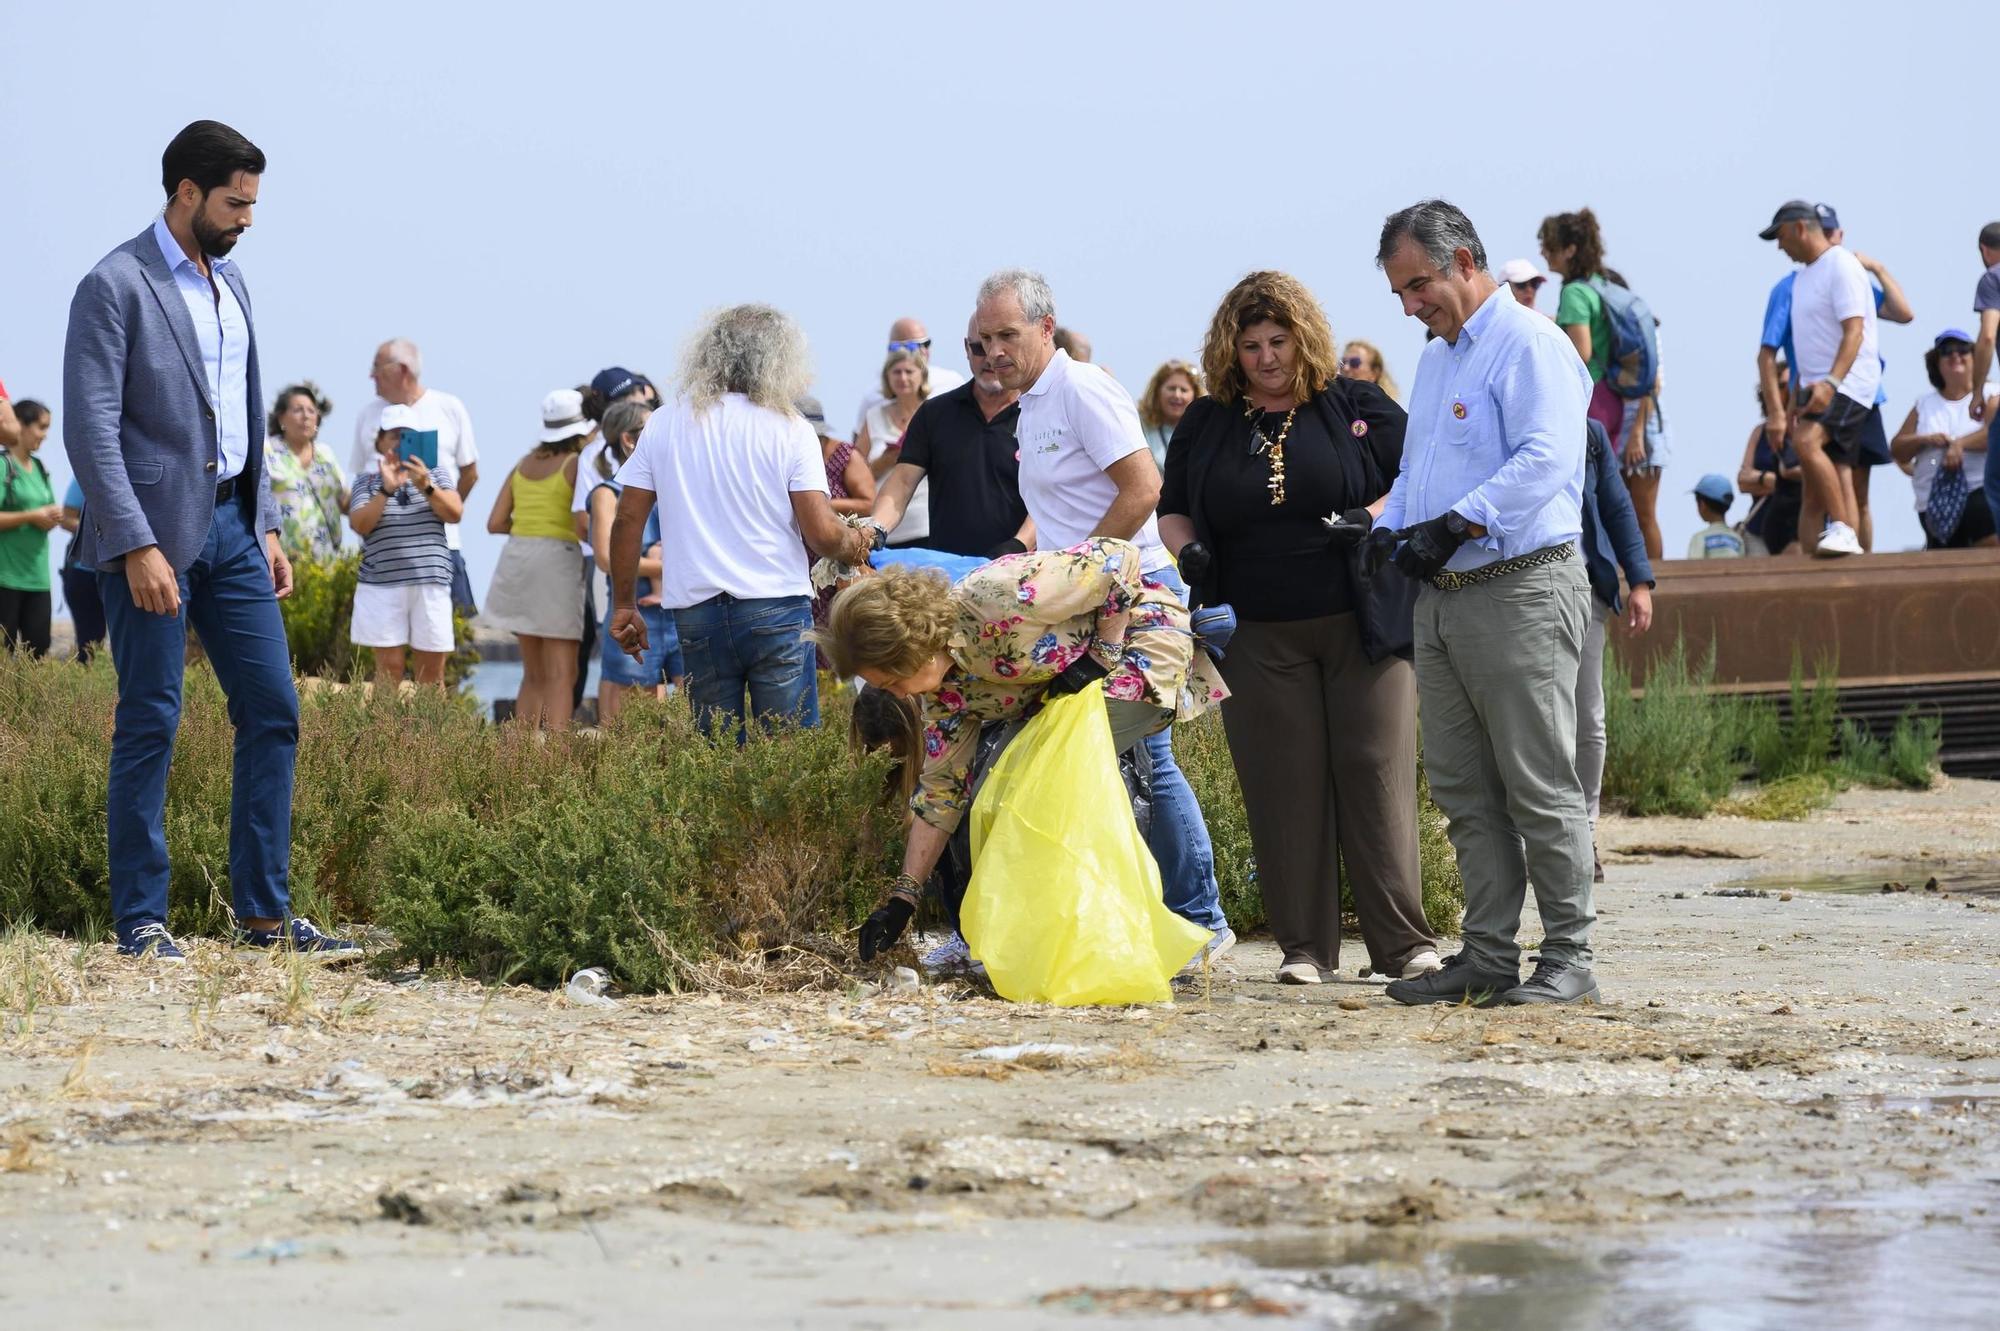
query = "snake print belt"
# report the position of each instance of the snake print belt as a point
(1500, 568)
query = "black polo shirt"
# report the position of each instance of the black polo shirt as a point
(974, 467)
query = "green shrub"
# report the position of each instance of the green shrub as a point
(1914, 746)
(1676, 748)
(1202, 750)
(319, 615)
(1803, 741)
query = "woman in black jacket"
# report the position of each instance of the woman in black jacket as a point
(1322, 721)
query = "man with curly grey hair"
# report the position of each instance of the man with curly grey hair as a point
(740, 484)
(1086, 471)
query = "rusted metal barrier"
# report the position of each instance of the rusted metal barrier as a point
(1917, 630)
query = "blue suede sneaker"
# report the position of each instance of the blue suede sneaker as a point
(150, 941)
(300, 935)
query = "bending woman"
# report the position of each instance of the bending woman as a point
(1013, 633)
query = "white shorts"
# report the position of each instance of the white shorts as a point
(409, 614)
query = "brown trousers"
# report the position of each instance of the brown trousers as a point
(1325, 748)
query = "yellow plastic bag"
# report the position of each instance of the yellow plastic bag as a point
(1064, 905)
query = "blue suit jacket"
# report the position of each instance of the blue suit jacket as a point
(137, 422)
(1611, 537)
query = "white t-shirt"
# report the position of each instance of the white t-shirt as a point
(1831, 288)
(435, 411)
(1936, 415)
(1075, 422)
(943, 380)
(725, 479)
(916, 523)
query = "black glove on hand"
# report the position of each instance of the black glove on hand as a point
(1196, 562)
(1010, 546)
(880, 931)
(1076, 677)
(1352, 527)
(1429, 545)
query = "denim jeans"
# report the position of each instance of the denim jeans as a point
(1179, 835)
(734, 647)
(226, 596)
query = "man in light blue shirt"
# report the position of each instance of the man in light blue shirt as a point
(223, 335)
(1487, 510)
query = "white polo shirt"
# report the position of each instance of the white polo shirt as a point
(1075, 422)
(725, 479)
(435, 411)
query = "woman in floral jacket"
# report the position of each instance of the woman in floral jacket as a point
(992, 648)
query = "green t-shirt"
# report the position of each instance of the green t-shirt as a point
(24, 550)
(1581, 304)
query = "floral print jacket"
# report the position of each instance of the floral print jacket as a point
(1025, 618)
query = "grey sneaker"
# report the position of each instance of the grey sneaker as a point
(1554, 982)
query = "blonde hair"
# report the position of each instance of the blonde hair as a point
(1383, 379)
(749, 349)
(1283, 300)
(897, 357)
(893, 622)
(1150, 414)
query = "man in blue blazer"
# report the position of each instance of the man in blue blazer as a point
(163, 418)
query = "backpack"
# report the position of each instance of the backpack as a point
(1634, 363)
(13, 473)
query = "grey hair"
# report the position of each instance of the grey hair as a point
(404, 352)
(620, 419)
(1027, 286)
(1439, 227)
(749, 349)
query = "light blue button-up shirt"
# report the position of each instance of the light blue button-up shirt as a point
(1496, 431)
(223, 336)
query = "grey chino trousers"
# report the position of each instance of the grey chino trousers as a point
(1496, 693)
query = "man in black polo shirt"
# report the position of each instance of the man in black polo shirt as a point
(964, 441)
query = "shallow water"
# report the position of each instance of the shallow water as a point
(1924, 1257)
(1971, 878)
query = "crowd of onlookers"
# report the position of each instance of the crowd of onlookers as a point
(1805, 468)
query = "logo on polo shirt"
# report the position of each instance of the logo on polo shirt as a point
(1458, 410)
(1049, 440)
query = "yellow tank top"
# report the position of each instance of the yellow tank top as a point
(541, 508)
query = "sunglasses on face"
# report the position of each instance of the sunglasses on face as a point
(1535, 285)
(924, 345)
(975, 349)
(1955, 351)
(1354, 362)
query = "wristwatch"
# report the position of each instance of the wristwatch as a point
(1454, 522)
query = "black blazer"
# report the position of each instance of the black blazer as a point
(1369, 461)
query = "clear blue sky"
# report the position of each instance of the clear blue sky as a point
(533, 192)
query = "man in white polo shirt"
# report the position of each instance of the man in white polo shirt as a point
(398, 372)
(1086, 471)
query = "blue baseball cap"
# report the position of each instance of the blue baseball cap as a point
(617, 381)
(1952, 335)
(1716, 488)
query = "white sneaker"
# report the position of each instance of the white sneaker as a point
(1298, 972)
(1215, 949)
(1838, 539)
(951, 957)
(1423, 963)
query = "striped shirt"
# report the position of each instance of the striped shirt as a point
(408, 542)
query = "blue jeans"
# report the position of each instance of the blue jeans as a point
(1178, 837)
(734, 647)
(226, 595)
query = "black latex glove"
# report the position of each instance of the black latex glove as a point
(880, 931)
(1428, 546)
(1076, 677)
(1010, 546)
(1196, 562)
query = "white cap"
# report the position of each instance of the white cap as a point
(1520, 270)
(562, 416)
(396, 416)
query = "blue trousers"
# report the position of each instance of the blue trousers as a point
(735, 648)
(1178, 837)
(226, 596)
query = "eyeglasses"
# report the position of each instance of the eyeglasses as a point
(1354, 362)
(911, 345)
(975, 349)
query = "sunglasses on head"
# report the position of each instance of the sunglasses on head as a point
(911, 345)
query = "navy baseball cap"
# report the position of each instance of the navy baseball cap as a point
(1829, 220)
(617, 381)
(1716, 488)
(1792, 210)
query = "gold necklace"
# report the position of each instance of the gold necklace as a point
(1271, 448)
